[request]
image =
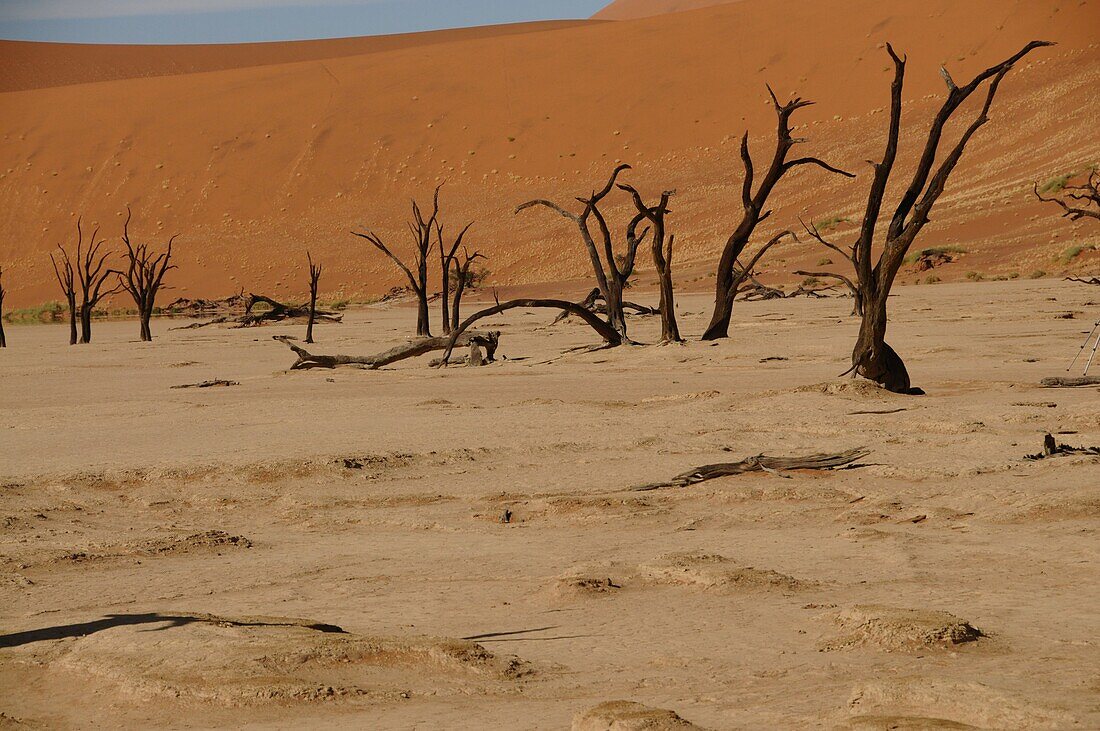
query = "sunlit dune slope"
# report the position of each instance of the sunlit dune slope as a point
(253, 165)
(629, 9)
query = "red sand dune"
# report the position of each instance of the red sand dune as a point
(253, 165)
(629, 9)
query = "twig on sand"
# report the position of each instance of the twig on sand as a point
(208, 384)
(760, 463)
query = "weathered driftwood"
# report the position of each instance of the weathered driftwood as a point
(761, 462)
(412, 349)
(208, 384)
(1051, 448)
(1059, 382)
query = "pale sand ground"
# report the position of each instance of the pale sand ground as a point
(98, 455)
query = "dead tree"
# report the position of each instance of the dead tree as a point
(446, 262)
(850, 255)
(1088, 193)
(753, 204)
(422, 230)
(66, 278)
(464, 278)
(872, 357)
(661, 246)
(144, 276)
(92, 273)
(314, 278)
(411, 349)
(611, 271)
(3, 339)
(594, 301)
(610, 335)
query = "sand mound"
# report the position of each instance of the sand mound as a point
(928, 701)
(712, 572)
(237, 662)
(890, 628)
(629, 716)
(678, 397)
(852, 388)
(904, 723)
(206, 541)
(578, 585)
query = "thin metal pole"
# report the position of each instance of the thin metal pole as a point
(1085, 345)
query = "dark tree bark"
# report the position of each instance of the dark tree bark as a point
(144, 276)
(3, 338)
(464, 280)
(446, 261)
(66, 278)
(89, 272)
(753, 204)
(611, 272)
(422, 230)
(314, 279)
(1088, 193)
(608, 332)
(661, 247)
(872, 357)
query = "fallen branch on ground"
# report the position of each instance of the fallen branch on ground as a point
(306, 360)
(760, 463)
(1059, 382)
(278, 312)
(1051, 448)
(594, 303)
(1083, 280)
(208, 384)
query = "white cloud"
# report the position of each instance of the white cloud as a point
(12, 10)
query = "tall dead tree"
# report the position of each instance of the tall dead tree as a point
(3, 339)
(314, 280)
(465, 277)
(422, 230)
(611, 271)
(66, 278)
(1088, 193)
(872, 357)
(661, 245)
(753, 204)
(144, 276)
(446, 262)
(91, 274)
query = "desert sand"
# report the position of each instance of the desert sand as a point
(184, 558)
(266, 151)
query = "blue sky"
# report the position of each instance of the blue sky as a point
(237, 21)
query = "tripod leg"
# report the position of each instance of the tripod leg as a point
(1084, 345)
(1092, 355)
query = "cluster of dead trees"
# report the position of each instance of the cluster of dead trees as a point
(456, 274)
(869, 283)
(875, 254)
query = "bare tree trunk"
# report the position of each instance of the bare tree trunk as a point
(611, 272)
(85, 323)
(3, 338)
(872, 357)
(144, 276)
(662, 260)
(314, 278)
(72, 320)
(753, 204)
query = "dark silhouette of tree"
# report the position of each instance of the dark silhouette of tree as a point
(144, 276)
(872, 357)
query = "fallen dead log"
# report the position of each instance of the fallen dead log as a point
(1052, 448)
(218, 382)
(760, 463)
(1084, 280)
(1059, 382)
(610, 335)
(276, 312)
(486, 340)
